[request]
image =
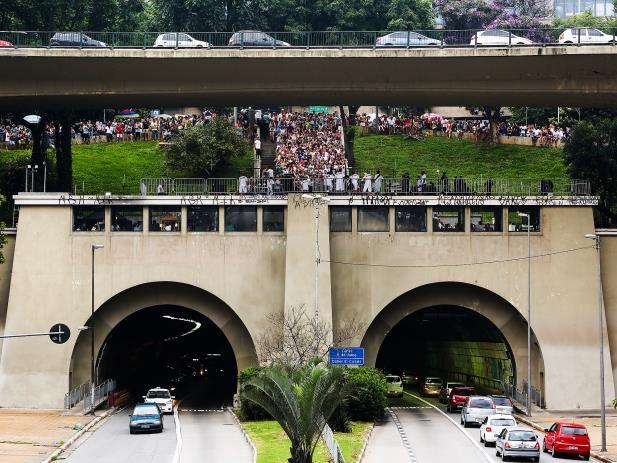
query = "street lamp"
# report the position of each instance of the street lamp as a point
(528, 404)
(317, 200)
(92, 370)
(596, 238)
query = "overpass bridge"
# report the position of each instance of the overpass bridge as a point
(186, 285)
(534, 75)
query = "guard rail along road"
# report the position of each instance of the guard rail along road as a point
(312, 39)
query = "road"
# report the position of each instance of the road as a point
(437, 437)
(207, 433)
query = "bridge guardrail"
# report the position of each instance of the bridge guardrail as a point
(428, 38)
(394, 186)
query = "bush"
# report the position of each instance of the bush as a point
(368, 398)
(248, 410)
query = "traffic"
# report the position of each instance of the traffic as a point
(488, 421)
(315, 39)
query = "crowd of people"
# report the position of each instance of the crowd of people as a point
(540, 135)
(15, 136)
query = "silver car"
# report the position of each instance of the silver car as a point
(403, 39)
(518, 442)
(503, 404)
(476, 408)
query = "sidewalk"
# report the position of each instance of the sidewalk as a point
(28, 436)
(591, 419)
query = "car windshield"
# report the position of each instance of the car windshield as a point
(451, 385)
(572, 431)
(463, 392)
(159, 395)
(502, 422)
(481, 403)
(502, 401)
(433, 381)
(145, 411)
(527, 436)
(393, 379)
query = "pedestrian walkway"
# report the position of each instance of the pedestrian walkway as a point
(28, 436)
(385, 444)
(591, 419)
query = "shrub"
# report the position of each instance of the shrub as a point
(368, 397)
(249, 411)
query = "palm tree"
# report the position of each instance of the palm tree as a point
(301, 400)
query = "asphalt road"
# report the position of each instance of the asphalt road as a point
(111, 441)
(436, 439)
(207, 433)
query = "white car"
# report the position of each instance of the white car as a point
(493, 425)
(498, 37)
(180, 40)
(162, 397)
(588, 35)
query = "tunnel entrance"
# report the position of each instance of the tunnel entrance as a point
(172, 347)
(451, 342)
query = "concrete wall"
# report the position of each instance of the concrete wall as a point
(5, 280)
(609, 285)
(87, 78)
(564, 309)
(236, 279)
(51, 283)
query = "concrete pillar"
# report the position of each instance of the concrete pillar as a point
(300, 282)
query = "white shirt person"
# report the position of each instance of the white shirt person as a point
(367, 183)
(377, 182)
(340, 181)
(243, 187)
(354, 181)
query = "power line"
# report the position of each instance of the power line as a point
(464, 264)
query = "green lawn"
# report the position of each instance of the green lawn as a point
(118, 167)
(273, 445)
(395, 155)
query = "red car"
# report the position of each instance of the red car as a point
(458, 395)
(5, 43)
(567, 438)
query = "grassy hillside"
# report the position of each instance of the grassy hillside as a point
(395, 155)
(117, 167)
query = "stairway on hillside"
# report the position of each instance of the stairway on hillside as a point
(268, 154)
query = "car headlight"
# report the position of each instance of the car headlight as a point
(157, 421)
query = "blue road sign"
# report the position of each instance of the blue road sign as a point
(347, 356)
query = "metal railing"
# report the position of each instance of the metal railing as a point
(393, 186)
(430, 38)
(334, 449)
(521, 396)
(101, 393)
(76, 395)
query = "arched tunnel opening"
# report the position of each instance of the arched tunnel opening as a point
(450, 342)
(171, 347)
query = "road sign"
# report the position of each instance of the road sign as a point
(347, 356)
(59, 333)
(318, 109)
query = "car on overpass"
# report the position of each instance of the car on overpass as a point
(255, 39)
(498, 37)
(146, 418)
(585, 35)
(405, 39)
(180, 40)
(5, 43)
(74, 39)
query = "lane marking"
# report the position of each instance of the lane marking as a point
(403, 435)
(456, 425)
(176, 456)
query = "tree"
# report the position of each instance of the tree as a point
(295, 337)
(492, 114)
(301, 400)
(591, 153)
(465, 14)
(203, 149)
